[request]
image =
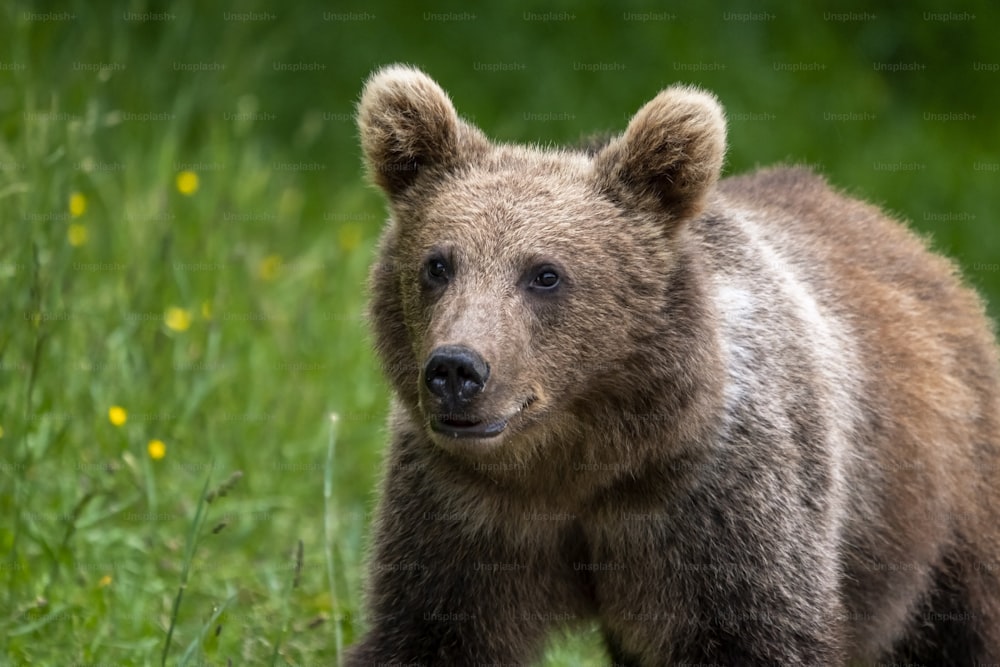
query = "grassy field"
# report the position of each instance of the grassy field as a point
(190, 415)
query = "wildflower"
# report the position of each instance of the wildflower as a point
(105, 581)
(177, 319)
(117, 415)
(206, 309)
(269, 267)
(157, 450)
(187, 183)
(77, 234)
(77, 204)
(349, 237)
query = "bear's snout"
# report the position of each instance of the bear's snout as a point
(456, 374)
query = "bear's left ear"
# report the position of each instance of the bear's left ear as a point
(409, 126)
(670, 155)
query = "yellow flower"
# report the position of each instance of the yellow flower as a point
(105, 581)
(270, 267)
(117, 415)
(206, 309)
(157, 450)
(177, 319)
(77, 204)
(187, 183)
(349, 237)
(77, 234)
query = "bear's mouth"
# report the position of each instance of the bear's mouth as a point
(456, 426)
(464, 425)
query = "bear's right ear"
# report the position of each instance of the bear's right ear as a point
(409, 126)
(670, 155)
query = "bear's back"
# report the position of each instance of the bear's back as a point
(849, 233)
(859, 263)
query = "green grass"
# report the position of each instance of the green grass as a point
(108, 551)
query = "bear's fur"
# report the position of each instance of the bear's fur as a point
(753, 421)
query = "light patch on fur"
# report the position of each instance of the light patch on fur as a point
(831, 348)
(736, 306)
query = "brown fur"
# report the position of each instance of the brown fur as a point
(757, 421)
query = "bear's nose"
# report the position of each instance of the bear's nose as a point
(456, 373)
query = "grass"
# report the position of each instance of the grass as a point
(189, 246)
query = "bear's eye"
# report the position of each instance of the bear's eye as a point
(545, 279)
(437, 270)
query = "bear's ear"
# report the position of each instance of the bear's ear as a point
(670, 155)
(408, 126)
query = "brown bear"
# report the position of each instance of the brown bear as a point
(748, 421)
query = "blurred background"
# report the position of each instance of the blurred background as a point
(185, 232)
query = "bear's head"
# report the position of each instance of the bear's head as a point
(522, 291)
